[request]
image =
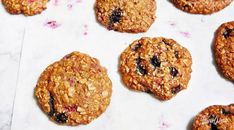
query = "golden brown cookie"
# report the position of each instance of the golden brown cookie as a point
(26, 7)
(201, 6)
(224, 49)
(132, 16)
(74, 90)
(156, 65)
(215, 117)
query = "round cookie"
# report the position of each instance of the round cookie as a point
(224, 49)
(215, 117)
(201, 6)
(74, 90)
(131, 16)
(156, 65)
(26, 7)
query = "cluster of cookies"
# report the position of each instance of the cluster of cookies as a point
(76, 89)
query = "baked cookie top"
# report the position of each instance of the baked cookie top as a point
(215, 117)
(26, 7)
(74, 90)
(156, 65)
(224, 49)
(132, 16)
(201, 6)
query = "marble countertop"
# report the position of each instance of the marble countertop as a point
(29, 44)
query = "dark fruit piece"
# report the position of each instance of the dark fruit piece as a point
(227, 33)
(140, 68)
(165, 42)
(176, 54)
(61, 118)
(136, 47)
(155, 61)
(175, 90)
(214, 127)
(115, 16)
(213, 120)
(149, 92)
(225, 112)
(186, 7)
(51, 104)
(173, 71)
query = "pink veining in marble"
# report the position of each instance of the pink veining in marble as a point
(164, 125)
(55, 2)
(85, 30)
(52, 24)
(185, 34)
(69, 6)
(79, 1)
(172, 23)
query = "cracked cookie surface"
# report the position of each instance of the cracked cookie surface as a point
(156, 65)
(201, 6)
(133, 16)
(216, 117)
(224, 49)
(26, 7)
(74, 90)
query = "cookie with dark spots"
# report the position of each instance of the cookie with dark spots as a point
(132, 16)
(26, 7)
(159, 66)
(224, 49)
(74, 90)
(214, 118)
(201, 6)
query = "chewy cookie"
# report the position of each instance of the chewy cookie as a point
(224, 49)
(215, 117)
(201, 6)
(156, 65)
(26, 7)
(74, 90)
(131, 16)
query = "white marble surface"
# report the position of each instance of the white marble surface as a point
(28, 45)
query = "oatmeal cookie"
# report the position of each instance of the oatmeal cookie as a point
(132, 16)
(26, 7)
(201, 6)
(156, 65)
(216, 117)
(224, 49)
(74, 90)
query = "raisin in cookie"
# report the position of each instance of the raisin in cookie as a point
(74, 90)
(224, 49)
(132, 16)
(201, 6)
(156, 65)
(215, 117)
(26, 7)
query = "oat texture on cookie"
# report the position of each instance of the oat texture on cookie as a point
(26, 7)
(159, 66)
(224, 49)
(216, 117)
(133, 16)
(74, 90)
(201, 6)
